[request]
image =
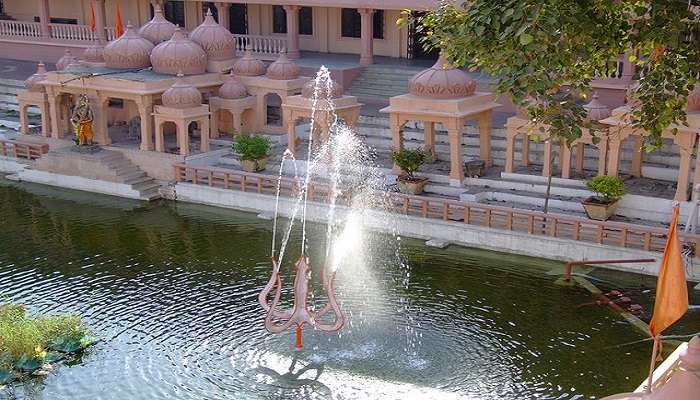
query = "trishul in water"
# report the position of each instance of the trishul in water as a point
(277, 321)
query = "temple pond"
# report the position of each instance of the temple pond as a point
(172, 290)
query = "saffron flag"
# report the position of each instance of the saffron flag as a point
(93, 20)
(671, 288)
(118, 26)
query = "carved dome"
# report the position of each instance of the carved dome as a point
(94, 53)
(596, 109)
(283, 68)
(217, 41)
(157, 29)
(33, 82)
(179, 54)
(65, 61)
(249, 65)
(233, 88)
(310, 87)
(181, 94)
(442, 81)
(129, 51)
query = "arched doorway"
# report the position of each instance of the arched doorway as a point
(273, 107)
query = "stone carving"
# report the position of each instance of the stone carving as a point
(308, 90)
(158, 29)
(179, 55)
(181, 95)
(249, 65)
(217, 41)
(283, 68)
(233, 88)
(596, 109)
(33, 83)
(442, 81)
(129, 51)
(65, 61)
(82, 121)
(94, 53)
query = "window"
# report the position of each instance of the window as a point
(69, 21)
(306, 21)
(238, 19)
(351, 23)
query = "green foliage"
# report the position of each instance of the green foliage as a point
(26, 341)
(544, 52)
(409, 161)
(608, 188)
(252, 147)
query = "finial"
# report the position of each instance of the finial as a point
(209, 14)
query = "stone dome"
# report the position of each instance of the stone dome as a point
(310, 87)
(249, 65)
(33, 82)
(67, 59)
(94, 53)
(181, 94)
(283, 68)
(442, 81)
(217, 41)
(596, 109)
(233, 88)
(158, 29)
(129, 51)
(179, 54)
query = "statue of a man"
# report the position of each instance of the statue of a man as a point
(82, 121)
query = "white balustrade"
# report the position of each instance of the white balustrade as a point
(71, 32)
(110, 33)
(20, 28)
(264, 46)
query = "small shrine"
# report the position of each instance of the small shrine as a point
(294, 108)
(34, 95)
(232, 109)
(271, 86)
(518, 126)
(445, 95)
(182, 105)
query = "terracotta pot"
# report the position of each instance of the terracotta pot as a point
(414, 186)
(598, 210)
(254, 165)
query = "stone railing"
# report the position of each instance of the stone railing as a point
(262, 46)
(15, 149)
(20, 29)
(581, 229)
(71, 32)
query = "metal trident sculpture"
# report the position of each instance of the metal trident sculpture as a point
(277, 321)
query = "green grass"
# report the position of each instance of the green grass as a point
(28, 341)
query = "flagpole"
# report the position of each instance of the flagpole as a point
(652, 364)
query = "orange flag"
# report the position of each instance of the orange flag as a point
(118, 26)
(671, 288)
(93, 20)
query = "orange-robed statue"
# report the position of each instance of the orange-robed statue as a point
(82, 121)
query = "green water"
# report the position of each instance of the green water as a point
(171, 289)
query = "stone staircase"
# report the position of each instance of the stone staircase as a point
(379, 82)
(8, 95)
(106, 171)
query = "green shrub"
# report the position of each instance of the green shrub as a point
(608, 188)
(409, 161)
(252, 147)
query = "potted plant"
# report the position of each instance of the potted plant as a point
(608, 191)
(253, 151)
(410, 161)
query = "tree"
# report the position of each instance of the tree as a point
(544, 54)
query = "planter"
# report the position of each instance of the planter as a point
(599, 210)
(474, 168)
(414, 186)
(254, 165)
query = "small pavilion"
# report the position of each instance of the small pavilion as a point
(279, 80)
(445, 95)
(34, 95)
(520, 126)
(232, 109)
(345, 107)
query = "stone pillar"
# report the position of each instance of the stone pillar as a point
(565, 159)
(485, 138)
(45, 19)
(429, 138)
(54, 112)
(686, 143)
(292, 31)
(366, 36)
(454, 132)
(183, 137)
(145, 113)
(100, 20)
(512, 133)
(160, 142)
(204, 134)
(23, 124)
(100, 112)
(291, 123)
(223, 10)
(214, 125)
(45, 120)
(636, 168)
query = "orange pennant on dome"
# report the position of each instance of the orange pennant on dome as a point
(118, 25)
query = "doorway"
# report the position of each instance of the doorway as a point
(238, 19)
